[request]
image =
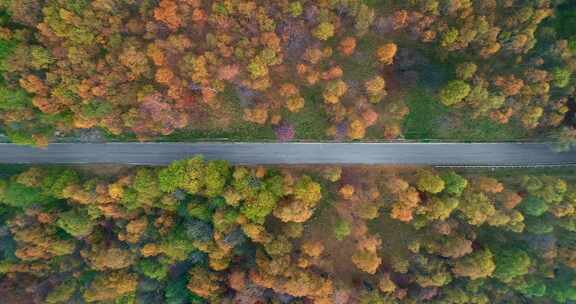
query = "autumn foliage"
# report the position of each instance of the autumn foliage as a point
(207, 232)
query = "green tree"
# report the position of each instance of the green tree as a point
(216, 174)
(561, 77)
(146, 187)
(562, 289)
(510, 263)
(13, 100)
(76, 222)
(176, 292)
(152, 269)
(342, 229)
(449, 37)
(532, 287)
(257, 208)
(538, 225)
(172, 177)
(455, 184)
(57, 179)
(454, 92)
(189, 175)
(18, 195)
(533, 206)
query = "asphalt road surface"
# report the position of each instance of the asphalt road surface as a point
(477, 154)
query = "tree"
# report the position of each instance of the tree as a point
(18, 195)
(356, 129)
(334, 90)
(205, 283)
(167, 13)
(102, 257)
(12, 100)
(346, 192)
(187, 175)
(172, 177)
(561, 77)
(466, 70)
(440, 208)
(347, 46)
(176, 292)
(476, 207)
(532, 287)
(454, 92)
(479, 264)
(146, 187)
(429, 182)
(295, 104)
(488, 185)
(257, 208)
(538, 226)
(62, 293)
(312, 248)
(56, 180)
(562, 291)
(216, 174)
(153, 269)
(364, 19)
(455, 184)
(295, 8)
(367, 261)
(510, 263)
(324, 31)
(454, 247)
(258, 115)
(76, 222)
(111, 286)
(449, 37)
(386, 285)
(332, 173)
(341, 229)
(509, 84)
(385, 54)
(295, 211)
(533, 206)
(307, 190)
(375, 88)
(408, 201)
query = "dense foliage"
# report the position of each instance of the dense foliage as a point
(206, 232)
(301, 69)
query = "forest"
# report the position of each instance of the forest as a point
(287, 70)
(199, 231)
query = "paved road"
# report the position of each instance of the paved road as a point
(480, 154)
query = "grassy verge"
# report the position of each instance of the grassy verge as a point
(429, 119)
(425, 118)
(312, 121)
